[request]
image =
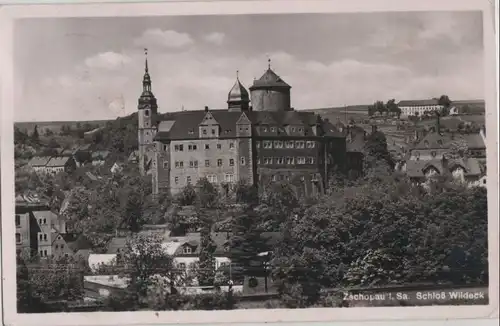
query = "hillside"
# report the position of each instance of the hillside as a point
(344, 113)
(55, 126)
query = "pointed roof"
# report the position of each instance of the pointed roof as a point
(238, 92)
(269, 79)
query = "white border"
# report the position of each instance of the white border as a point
(9, 14)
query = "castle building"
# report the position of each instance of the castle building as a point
(259, 138)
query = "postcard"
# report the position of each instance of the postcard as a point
(249, 161)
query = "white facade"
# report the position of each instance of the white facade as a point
(420, 109)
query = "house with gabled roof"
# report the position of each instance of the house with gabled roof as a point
(259, 136)
(60, 164)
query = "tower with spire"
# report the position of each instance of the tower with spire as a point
(147, 116)
(238, 99)
(270, 92)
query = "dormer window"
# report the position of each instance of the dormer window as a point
(187, 250)
(191, 131)
(213, 132)
(264, 129)
(426, 143)
(204, 131)
(292, 129)
(273, 129)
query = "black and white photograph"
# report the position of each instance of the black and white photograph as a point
(232, 162)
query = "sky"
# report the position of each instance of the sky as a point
(92, 68)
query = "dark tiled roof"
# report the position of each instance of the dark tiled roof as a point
(116, 244)
(474, 141)
(418, 102)
(435, 140)
(184, 124)
(58, 161)
(39, 161)
(269, 79)
(417, 169)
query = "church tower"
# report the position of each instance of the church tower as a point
(147, 115)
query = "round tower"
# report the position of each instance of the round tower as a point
(270, 93)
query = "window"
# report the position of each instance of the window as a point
(193, 164)
(289, 160)
(18, 237)
(264, 129)
(213, 131)
(299, 144)
(229, 177)
(18, 220)
(426, 143)
(44, 237)
(289, 144)
(188, 179)
(274, 178)
(257, 144)
(207, 146)
(41, 253)
(301, 160)
(267, 160)
(212, 178)
(62, 246)
(231, 162)
(292, 129)
(310, 160)
(57, 246)
(182, 265)
(45, 253)
(280, 160)
(204, 131)
(440, 141)
(207, 163)
(268, 144)
(191, 131)
(278, 144)
(44, 221)
(176, 180)
(40, 221)
(165, 165)
(231, 145)
(273, 129)
(219, 162)
(179, 148)
(433, 153)
(165, 148)
(40, 237)
(300, 129)
(242, 160)
(179, 164)
(192, 147)
(146, 113)
(310, 144)
(219, 146)
(258, 160)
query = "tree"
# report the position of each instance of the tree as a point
(376, 153)
(278, 201)
(187, 196)
(445, 101)
(393, 108)
(206, 267)
(146, 263)
(246, 242)
(20, 137)
(35, 137)
(246, 194)
(206, 194)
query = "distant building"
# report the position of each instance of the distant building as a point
(60, 164)
(465, 170)
(419, 107)
(39, 164)
(434, 145)
(99, 157)
(267, 141)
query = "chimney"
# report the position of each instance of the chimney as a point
(206, 108)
